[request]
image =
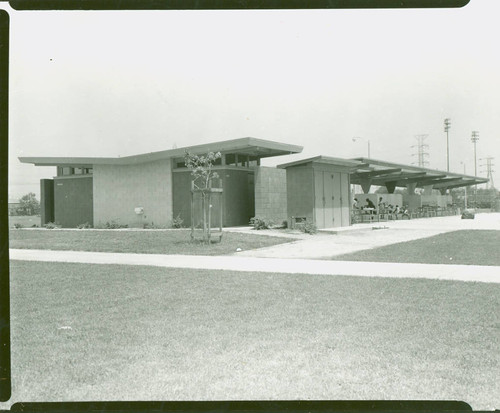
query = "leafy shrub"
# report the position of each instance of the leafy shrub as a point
(85, 225)
(51, 225)
(114, 225)
(177, 222)
(17, 225)
(284, 224)
(309, 228)
(151, 226)
(261, 223)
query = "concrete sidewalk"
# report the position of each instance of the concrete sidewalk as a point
(366, 236)
(488, 274)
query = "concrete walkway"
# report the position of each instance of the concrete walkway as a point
(476, 273)
(366, 236)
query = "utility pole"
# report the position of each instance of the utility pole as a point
(474, 139)
(357, 138)
(421, 154)
(447, 123)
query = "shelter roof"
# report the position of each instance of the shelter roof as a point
(354, 164)
(244, 146)
(381, 173)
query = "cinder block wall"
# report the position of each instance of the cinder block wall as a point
(270, 193)
(119, 189)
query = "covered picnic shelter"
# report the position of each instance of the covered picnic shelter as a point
(393, 175)
(319, 188)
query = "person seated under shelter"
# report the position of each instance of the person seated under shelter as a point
(405, 212)
(381, 205)
(369, 207)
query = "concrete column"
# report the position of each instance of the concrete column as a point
(428, 190)
(366, 184)
(391, 186)
(410, 187)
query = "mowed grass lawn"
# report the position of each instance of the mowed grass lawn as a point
(477, 247)
(24, 220)
(147, 242)
(100, 332)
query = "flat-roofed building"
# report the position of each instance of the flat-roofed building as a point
(158, 184)
(155, 188)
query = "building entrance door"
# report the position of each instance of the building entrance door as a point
(324, 199)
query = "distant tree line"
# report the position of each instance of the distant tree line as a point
(29, 205)
(486, 197)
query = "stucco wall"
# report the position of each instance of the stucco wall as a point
(270, 193)
(237, 197)
(238, 201)
(73, 201)
(119, 189)
(300, 193)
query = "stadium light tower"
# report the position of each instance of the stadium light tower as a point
(474, 139)
(447, 123)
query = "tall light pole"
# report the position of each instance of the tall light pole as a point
(357, 138)
(474, 139)
(447, 123)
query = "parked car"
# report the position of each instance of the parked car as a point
(468, 214)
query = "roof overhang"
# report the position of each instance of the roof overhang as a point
(461, 183)
(244, 146)
(353, 165)
(410, 174)
(375, 173)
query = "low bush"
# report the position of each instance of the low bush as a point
(17, 225)
(261, 223)
(85, 225)
(309, 228)
(111, 225)
(177, 222)
(115, 225)
(51, 225)
(151, 225)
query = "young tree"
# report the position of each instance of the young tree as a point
(29, 205)
(203, 174)
(201, 168)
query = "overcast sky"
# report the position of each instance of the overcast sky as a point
(123, 83)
